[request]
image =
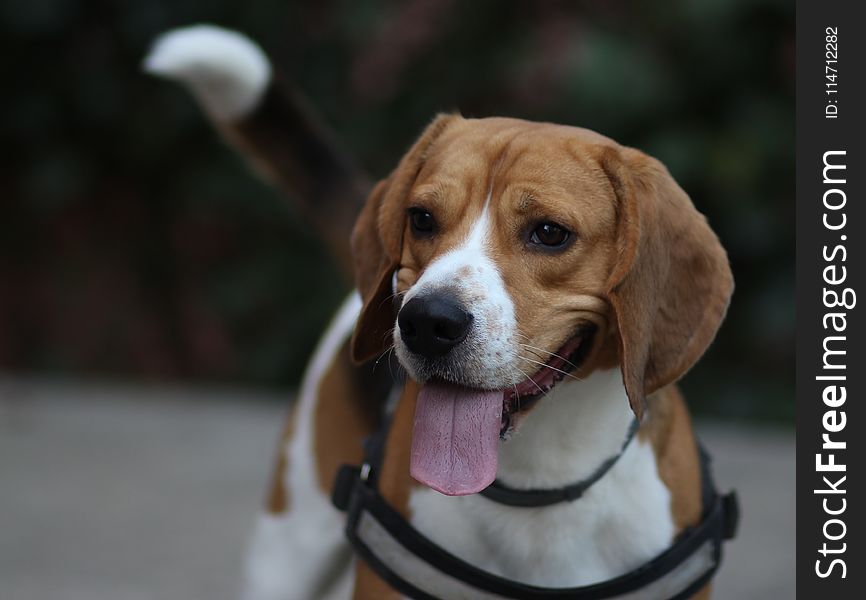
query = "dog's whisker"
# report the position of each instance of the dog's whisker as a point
(551, 354)
(390, 297)
(540, 389)
(542, 350)
(382, 355)
(546, 366)
(391, 364)
(517, 396)
(528, 349)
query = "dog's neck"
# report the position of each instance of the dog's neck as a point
(572, 431)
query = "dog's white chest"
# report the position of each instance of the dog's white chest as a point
(623, 520)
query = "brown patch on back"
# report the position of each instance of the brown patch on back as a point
(394, 483)
(277, 499)
(668, 428)
(347, 410)
(368, 585)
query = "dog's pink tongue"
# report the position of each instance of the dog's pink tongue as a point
(455, 440)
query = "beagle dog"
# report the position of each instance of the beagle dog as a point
(542, 288)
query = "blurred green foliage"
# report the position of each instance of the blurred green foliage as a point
(133, 243)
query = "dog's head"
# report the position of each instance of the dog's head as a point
(518, 252)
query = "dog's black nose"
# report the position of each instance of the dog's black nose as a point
(432, 325)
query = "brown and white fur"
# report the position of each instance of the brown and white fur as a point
(644, 270)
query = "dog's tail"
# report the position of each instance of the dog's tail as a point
(269, 123)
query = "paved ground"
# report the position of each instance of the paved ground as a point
(113, 492)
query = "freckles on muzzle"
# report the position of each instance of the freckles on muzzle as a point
(441, 335)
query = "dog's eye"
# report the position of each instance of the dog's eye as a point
(550, 235)
(421, 220)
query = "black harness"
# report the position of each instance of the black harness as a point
(415, 566)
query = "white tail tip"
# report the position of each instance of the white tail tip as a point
(226, 71)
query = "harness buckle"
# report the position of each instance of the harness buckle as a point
(344, 483)
(730, 515)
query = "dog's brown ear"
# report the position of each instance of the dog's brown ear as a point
(671, 284)
(375, 254)
(377, 241)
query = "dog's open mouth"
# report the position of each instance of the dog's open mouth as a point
(455, 438)
(559, 366)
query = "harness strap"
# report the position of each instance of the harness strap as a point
(415, 566)
(502, 494)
